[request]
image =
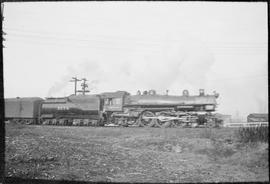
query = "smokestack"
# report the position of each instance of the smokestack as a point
(185, 92)
(145, 93)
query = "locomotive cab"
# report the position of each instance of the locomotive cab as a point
(112, 102)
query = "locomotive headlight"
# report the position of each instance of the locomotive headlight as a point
(209, 107)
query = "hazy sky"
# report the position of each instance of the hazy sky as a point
(139, 45)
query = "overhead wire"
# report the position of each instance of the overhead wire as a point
(118, 38)
(107, 38)
(239, 77)
(68, 38)
(87, 44)
(228, 48)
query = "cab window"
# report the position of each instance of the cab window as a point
(112, 101)
(107, 101)
(116, 101)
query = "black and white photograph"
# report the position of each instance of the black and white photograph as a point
(135, 91)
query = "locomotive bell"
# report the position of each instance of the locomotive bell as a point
(152, 92)
(185, 92)
(201, 92)
(216, 94)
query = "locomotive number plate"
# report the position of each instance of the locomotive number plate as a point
(62, 108)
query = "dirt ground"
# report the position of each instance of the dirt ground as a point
(133, 154)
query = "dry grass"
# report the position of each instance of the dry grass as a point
(132, 154)
(252, 134)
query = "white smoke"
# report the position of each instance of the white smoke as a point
(62, 83)
(175, 67)
(81, 71)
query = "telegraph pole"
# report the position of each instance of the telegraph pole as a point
(75, 80)
(84, 86)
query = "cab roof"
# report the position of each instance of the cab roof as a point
(116, 94)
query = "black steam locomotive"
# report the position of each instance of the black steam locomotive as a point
(116, 109)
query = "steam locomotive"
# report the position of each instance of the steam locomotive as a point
(120, 108)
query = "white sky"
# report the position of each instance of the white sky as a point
(139, 45)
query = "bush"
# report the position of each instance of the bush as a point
(207, 133)
(252, 134)
(221, 149)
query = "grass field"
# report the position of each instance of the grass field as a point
(133, 154)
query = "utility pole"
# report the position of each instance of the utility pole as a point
(75, 80)
(84, 86)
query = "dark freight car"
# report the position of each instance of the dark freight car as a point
(24, 110)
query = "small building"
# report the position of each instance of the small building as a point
(257, 117)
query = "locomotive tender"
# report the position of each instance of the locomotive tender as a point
(72, 110)
(116, 109)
